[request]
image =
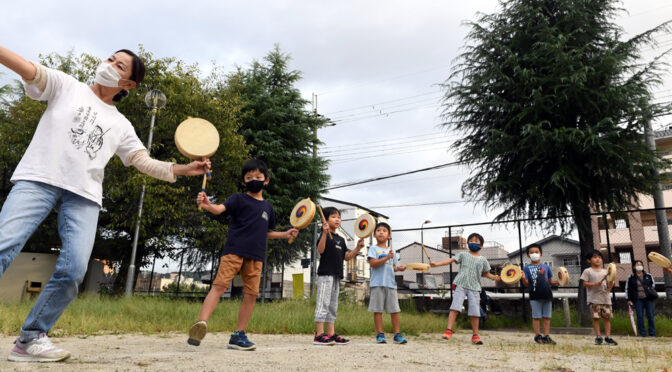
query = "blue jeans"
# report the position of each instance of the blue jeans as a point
(27, 205)
(642, 306)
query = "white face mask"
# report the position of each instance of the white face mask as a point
(535, 256)
(107, 76)
(639, 268)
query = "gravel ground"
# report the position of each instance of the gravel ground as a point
(503, 351)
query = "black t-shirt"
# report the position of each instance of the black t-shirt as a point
(331, 261)
(251, 219)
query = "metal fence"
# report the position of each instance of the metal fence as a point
(622, 237)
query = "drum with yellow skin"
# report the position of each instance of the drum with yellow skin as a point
(611, 272)
(659, 260)
(302, 215)
(511, 274)
(365, 225)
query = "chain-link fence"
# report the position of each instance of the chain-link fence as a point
(622, 237)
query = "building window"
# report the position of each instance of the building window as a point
(666, 187)
(570, 261)
(624, 258)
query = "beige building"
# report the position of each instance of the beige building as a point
(633, 235)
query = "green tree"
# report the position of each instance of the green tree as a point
(170, 218)
(551, 102)
(280, 130)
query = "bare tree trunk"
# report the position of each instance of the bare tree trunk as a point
(585, 230)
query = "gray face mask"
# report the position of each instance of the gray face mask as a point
(107, 76)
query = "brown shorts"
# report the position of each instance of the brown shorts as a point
(598, 311)
(250, 272)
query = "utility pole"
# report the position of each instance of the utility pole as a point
(661, 213)
(313, 249)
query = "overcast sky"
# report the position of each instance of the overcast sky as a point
(374, 66)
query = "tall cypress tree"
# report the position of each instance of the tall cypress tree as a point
(552, 102)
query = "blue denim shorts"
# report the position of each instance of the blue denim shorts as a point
(541, 308)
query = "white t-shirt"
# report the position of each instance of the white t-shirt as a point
(75, 138)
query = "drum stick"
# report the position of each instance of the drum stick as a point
(205, 180)
(426, 254)
(324, 220)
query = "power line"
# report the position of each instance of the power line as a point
(385, 140)
(381, 103)
(380, 109)
(354, 183)
(399, 146)
(389, 79)
(420, 204)
(340, 161)
(385, 114)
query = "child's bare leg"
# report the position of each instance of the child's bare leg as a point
(607, 327)
(451, 318)
(596, 326)
(319, 328)
(378, 322)
(474, 324)
(245, 311)
(535, 326)
(546, 322)
(211, 301)
(330, 329)
(396, 322)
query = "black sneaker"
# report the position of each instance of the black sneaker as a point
(539, 339)
(338, 340)
(598, 340)
(548, 340)
(323, 340)
(610, 341)
(239, 341)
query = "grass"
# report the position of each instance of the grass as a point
(148, 315)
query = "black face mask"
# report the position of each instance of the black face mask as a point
(254, 186)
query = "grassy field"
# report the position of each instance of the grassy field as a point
(146, 315)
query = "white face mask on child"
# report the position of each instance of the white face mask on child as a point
(535, 256)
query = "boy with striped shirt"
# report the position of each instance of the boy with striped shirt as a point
(468, 284)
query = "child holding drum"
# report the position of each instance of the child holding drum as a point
(468, 284)
(383, 264)
(598, 288)
(539, 278)
(333, 251)
(252, 219)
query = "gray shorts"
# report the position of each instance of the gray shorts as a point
(384, 298)
(326, 302)
(473, 298)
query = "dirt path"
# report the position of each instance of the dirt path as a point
(503, 351)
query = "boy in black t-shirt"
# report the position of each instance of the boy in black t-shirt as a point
(252, 219)
(329, 274)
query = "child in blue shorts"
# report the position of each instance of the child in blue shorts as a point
(539, 278)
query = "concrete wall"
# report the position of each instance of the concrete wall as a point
(27, 267)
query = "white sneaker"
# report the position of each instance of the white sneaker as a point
(38, 350)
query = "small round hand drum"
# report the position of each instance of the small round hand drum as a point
(659, 260)
(611, 272)
(511, 274)
(563, 276)
(196, 138)
(364, 226)
(302, 215)
(418, 267)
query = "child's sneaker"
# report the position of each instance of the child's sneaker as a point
(399, 339)
(598, 340)
(447, 334)
(239, 341)
(338, 340)
(548, 340)
(476, 340)
(197, 332)
(380, 338)
(38, 350)
(323, 340)
(610, 341)
(539, 339)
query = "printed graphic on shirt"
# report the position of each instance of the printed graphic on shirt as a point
(86, 133)
(535, 272)
(264, 215)
(337, 245)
